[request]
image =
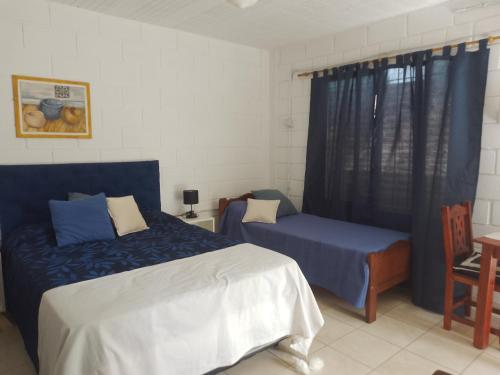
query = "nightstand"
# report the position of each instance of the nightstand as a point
(203, 221)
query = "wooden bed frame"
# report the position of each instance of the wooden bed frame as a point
(388, 268)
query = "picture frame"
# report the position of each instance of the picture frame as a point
(51, 108)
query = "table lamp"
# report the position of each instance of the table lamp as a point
(191, 197)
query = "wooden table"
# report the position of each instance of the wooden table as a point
(486, 287)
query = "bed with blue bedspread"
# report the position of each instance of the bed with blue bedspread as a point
(355, 262)
(123, 281)
(34, 264)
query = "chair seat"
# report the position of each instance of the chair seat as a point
(470, 267)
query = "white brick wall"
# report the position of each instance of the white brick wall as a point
(413, 31)
(390, 29)
(433, 18)
(199, 105)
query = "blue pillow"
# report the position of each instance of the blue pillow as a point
(82, 220)
(285, 208)
(73, 196)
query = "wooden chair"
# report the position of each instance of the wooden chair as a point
(462, 263)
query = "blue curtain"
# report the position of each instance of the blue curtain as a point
(388, 144)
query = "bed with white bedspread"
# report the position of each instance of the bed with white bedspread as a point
(187, 316)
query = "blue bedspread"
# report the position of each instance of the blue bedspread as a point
(331, 253)
(33, 264)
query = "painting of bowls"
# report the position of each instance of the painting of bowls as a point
(49, 108)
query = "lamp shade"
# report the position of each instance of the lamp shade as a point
(190, 196)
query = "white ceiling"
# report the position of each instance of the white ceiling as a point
(270, 23)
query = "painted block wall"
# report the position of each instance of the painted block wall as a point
(197, 104)
(417, 30)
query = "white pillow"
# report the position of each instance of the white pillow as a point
(126, 215)
(262, 211)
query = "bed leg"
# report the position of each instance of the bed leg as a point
(371, 305)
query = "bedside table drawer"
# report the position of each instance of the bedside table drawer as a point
(207, 223)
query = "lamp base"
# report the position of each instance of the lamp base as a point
(191, 215)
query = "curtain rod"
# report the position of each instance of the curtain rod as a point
(491, 39)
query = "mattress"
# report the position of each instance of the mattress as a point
(331, 253)
(33, 264)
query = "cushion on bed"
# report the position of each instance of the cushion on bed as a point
(74, 196)
(126, 215)
(81, 221)
(261, 211)
(285, 208)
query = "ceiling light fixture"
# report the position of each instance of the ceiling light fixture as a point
(243, 3)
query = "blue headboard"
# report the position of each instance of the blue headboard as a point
(25, 190)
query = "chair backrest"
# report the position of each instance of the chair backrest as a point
(457, 231)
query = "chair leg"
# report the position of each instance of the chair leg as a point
(468, 301)
(448, 303)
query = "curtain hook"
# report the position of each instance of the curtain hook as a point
(461, 48)
(483, 44)
(428, 54)
(335, 72)
(407, 58)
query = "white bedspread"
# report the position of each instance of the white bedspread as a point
(188, 316)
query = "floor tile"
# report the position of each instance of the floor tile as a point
(333, 330)
(466, 334)
(316, 345)
(261, 363)
(346, 316)
(322, 295)
(393, 330)
(12, 358)
(386, 305)
(4, 323)
(485, 364)
(339, 364)
(26, 369)
(365, 348)
(408, 363)
(413, 315)
(458, 335)
(391, 299)
(328, 301)
(11, 338)
(386, 301)
(494, 348)
(443, 347)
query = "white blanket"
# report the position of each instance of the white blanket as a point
(188, 316)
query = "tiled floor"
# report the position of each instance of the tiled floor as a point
(404, 340)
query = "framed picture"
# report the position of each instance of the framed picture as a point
(51, 108)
